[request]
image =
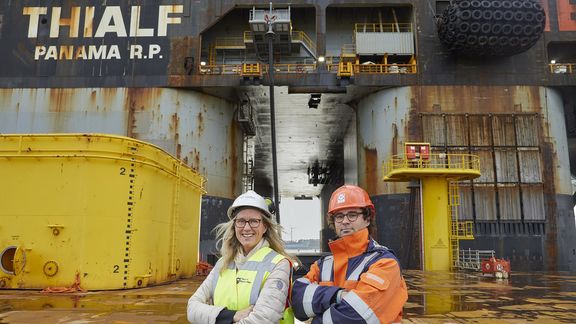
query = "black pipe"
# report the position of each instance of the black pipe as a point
(270, 35)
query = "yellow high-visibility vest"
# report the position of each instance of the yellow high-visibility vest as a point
(237, 290)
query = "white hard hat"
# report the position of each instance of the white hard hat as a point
(250, 199)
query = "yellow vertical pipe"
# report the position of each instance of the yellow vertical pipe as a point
(436, 227)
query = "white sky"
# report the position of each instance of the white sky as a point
(301, 217)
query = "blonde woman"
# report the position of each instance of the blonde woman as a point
(250, 283)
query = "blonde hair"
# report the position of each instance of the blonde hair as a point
(230, 246)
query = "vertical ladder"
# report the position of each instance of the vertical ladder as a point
(460, 230)
(174, 267)
(248, 167)
(348, 59)
(453, 204)
(212, 55)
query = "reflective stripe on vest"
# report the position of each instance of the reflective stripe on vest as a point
(238, 289)
(328, 268)
(355, 275)
(359, 306)
(308, 297)
(327, 317)
(351, 298)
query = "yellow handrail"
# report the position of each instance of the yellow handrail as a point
(251, 68)
(436, 161)
(311, 68)
(345, 69)
(301, 36)
(463, 229)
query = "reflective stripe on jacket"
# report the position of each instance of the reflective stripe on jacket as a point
(369, 272)
(238, 289)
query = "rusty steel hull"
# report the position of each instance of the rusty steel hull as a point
(195, 128)
(134, 69)
(521, 205)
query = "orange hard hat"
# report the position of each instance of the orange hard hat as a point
(349, 196)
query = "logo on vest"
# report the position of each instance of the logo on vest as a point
(242, 280)
(279, 285)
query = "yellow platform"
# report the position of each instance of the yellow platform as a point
(109, 212)
(440, 224)
(461, 166)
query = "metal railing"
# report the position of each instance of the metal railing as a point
(301, 36)
(434, 161)
(345, 69)
(332, 67)
(472, 259)
(351, 69)
(292, 68)
(249, 68)
(229, 42)
(296, 35)
(562, 68)
(383, 28)
(348, 50)
(260, 14)
(252, 69)
(463, 229)
(384, 68)
(221, 69)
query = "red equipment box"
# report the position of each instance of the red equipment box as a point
(498, 268)
(417, 151)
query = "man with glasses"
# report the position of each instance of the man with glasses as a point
(360, 282)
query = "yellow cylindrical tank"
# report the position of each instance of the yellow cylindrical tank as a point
(101, 211)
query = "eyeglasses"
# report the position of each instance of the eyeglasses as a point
(254, 222)
(352, 216)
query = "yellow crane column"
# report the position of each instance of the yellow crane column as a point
(436, 227)
(435, 172)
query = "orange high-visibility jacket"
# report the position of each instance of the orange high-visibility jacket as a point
(369, 272)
